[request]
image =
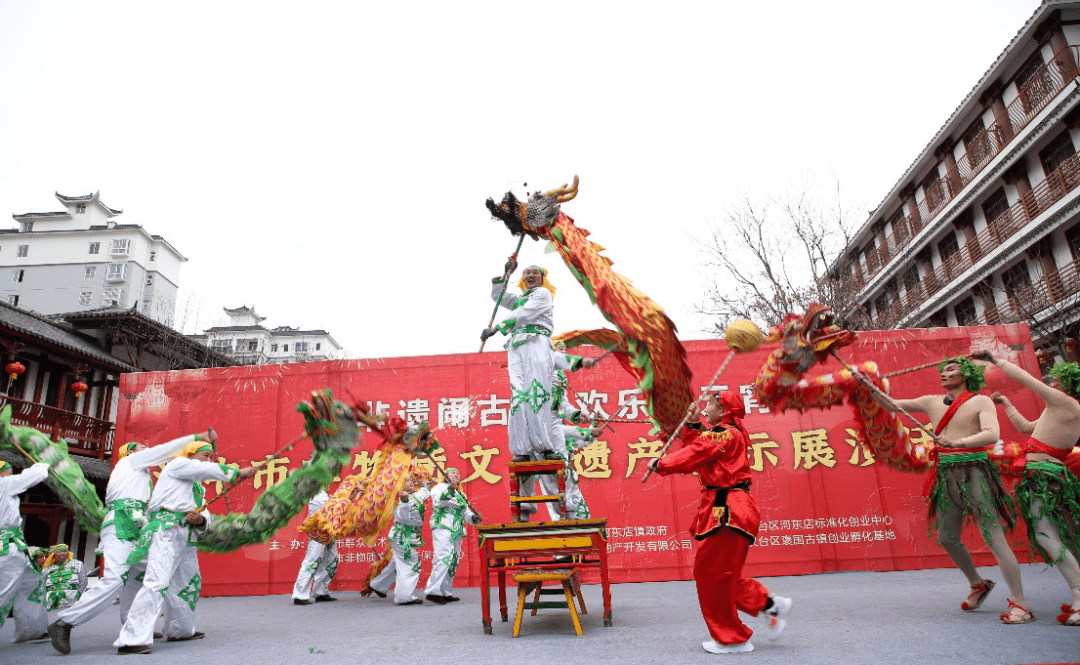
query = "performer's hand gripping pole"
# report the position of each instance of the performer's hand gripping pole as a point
(865, 380)
(506, 281)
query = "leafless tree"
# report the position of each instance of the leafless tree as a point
(767, 259)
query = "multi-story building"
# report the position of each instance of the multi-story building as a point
(247, 342)
(81, 259)
(984, 226)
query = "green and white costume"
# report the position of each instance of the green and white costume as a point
(64, 584)
(22, 588)
(127, 495)
(406, 539)
(450, 511)
(320, 561)
(572, 438)
(172, 563)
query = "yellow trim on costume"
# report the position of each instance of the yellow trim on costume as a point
(547, 285)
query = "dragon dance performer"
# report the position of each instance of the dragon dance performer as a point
(168, 543)
(65, 578)
(129, 489)
(726, 524)
(319, 566)
(406, 539)
(22, 590)
(966, 484)
(1048, 493)
(450, 512)
(573, 438)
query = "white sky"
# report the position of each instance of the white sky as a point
(328, 162)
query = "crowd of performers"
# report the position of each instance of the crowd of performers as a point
(149, 534)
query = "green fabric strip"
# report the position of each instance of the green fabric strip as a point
(963, 458)
(159, 521)
(12, 535)
(127, 523)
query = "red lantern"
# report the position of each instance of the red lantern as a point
(79, 387)
(14, 370)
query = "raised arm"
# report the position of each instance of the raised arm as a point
(16, 484)
(160, 454)
(508, 299)
(1054, 398)
(1022, 424)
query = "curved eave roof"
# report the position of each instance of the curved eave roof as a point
(35, 327)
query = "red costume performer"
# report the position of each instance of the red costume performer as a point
(726, 523)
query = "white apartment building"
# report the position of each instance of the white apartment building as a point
(984, 226)
(247, 342)
(81, 259)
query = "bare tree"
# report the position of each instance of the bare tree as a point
(772, 258)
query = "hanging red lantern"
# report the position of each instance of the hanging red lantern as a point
(14, 369)
(79, 387)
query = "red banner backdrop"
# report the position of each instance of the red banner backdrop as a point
(825, 504)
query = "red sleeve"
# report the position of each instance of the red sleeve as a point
(695, 453)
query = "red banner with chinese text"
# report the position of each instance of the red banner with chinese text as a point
(825, 504)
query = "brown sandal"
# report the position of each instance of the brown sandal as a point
(978, 594)
(1013, 619)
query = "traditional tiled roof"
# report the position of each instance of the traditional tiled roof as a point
(40, 328)
(91, 466)
(285, 331)
(233, 329)
(244, 309)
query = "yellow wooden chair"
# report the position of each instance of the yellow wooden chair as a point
(570, 587)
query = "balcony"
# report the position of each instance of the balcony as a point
(1039, 91)
(1041, 197)
(1054, 296)
(248, 357)
(84, 435)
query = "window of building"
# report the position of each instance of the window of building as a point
(95, 247)
(1072, 237)
(24, 250)
(965, 312)
(1033, 83)
(913, 285)
(977, 144)
(273, 347)
(285, 348)
(112, 297)
(86, 297)
(995, 205)
(948, 247)
(871, 256)
(120, 247)
(899, 227)
(938, 319)
(301, 347)
(80, 208)
(17, 275)
(1016, 279)
(116, 272)
(221, 345)
(1055, 154)
(933, 190)
(90, 272)
(153, 255)
(252, 345)
(318, 346)
(882, 303)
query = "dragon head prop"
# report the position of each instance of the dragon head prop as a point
(533, 216)
(809, 338)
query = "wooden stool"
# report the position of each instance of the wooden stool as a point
(555, 468)
(568, 578)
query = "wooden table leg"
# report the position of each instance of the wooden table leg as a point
(502, 595)
(605, 581)
(485, 595)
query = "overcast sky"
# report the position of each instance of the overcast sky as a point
(327, 163)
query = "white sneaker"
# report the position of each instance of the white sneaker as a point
(712, 646)
(778, 617)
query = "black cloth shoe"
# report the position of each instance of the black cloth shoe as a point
(437, 599)
(158, 636)
(522, 458)
(193, 636)
(40, 638)
(451, 599)
(325, 598)
(414, 601)
(135, 648)
(551, 455)
(60, 633)
(378, 593)
(297, 601)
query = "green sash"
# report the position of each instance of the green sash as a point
(12, 535)
(159, 521)
(124, 520)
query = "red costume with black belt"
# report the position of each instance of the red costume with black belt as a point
(726, 522)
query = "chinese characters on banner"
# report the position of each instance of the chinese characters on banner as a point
(826, 503)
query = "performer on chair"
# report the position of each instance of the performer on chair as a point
(406, 539)
(450, 511)
(130, 485)
(1049, 495)
(168, 543)
(22, 589)
(574, 438)
(65, 578)
(966, 484)
(726, 524)
(319, 566)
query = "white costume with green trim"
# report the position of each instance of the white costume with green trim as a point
(172, 560)
(450, 511)
(406, 539)
(127, 495)
(22, 587)
(64, 583)
(320, 561)
(573, 438)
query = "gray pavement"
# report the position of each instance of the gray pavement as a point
(852, 617)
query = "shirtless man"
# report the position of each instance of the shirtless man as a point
(967, 485)
(1048, 493)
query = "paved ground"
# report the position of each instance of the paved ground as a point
(895, 617)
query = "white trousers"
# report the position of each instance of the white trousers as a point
(111, 585)
(531, 366)
(320, 565)
(22, 589)
(172, 578)
(444, 562)
(575, 500)
(402, 572)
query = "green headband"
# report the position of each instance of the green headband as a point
(4, 465)
(1068, 374)
(971, 372)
